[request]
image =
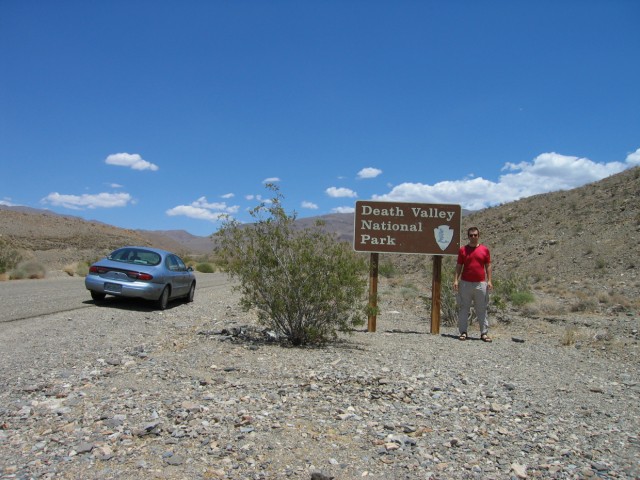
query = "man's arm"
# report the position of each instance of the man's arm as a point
(457, 276)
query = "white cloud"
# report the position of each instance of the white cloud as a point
(79, 202)
(343, 210)
(271, 180)
(634, 158)
(309, 205)
(259, 198)
(6, 201)
(202, 209)
(340, 192)
(198, 213)
(547, 173)
(134, 161)
(227, 195)
(369, 172)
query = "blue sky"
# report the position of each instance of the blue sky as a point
(163, 115)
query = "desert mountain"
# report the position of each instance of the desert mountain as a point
(586, 239)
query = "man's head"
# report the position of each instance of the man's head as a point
(474, 235)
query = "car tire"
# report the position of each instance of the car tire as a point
(97, 296)
(163, 301)
(192, 293)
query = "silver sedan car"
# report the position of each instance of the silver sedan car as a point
(141, 272)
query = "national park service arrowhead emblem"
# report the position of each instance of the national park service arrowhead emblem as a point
(444, 235)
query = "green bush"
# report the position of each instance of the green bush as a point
(512, 289)
(205, 267)
(9, 257)
(304, 284)
(387, 269)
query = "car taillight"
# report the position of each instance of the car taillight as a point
(139, 276)
(97, 270)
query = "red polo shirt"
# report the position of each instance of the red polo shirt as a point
(473, 260)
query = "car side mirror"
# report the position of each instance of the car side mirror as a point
(190, 269)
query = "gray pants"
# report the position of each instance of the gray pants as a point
(477, 293)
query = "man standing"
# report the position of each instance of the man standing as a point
(473, 270)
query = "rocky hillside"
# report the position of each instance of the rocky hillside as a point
(584, 241)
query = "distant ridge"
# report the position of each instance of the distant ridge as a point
(585, 239)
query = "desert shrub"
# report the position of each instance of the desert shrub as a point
(387, 269)
(512, 289)
(569, 336)
(9, 257)
(70, 269)
(82, 269)
(205, 267)
(584, 304)
(304, 284)
(78, 268)
(29, 269)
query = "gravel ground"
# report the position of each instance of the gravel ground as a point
(199, 392)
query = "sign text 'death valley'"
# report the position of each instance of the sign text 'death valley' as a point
(398, 227)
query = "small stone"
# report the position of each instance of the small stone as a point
(599, 466)
(84, 447)
(519, 470)
(174, 460)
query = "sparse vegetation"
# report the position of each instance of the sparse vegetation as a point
(585, 304)
(9, 257)
(28, 269)
(80, 268)
(205, 267)
(448, 301)
(512, 289)
(387, 269)
(304, 284)
(569, 336)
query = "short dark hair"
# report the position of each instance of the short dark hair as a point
(473, 229)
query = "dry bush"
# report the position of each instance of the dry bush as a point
(569, 336)
(70, 269)
(77, 268)
(551, 307)
(586, 304)
(30, 269)
(573, 335)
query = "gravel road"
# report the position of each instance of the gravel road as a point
(122, 391)
(23, 299)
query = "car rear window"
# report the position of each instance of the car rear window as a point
(136, 256)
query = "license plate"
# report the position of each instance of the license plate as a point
(112, 288)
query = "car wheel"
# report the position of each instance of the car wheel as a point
(163, 301)
(97, 296)
(192, 292)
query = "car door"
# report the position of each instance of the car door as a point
(179, 276)
(184, 276)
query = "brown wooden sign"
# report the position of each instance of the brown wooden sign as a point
(397, 227)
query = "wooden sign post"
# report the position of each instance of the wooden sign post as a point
(373, 291)
(436, 285)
